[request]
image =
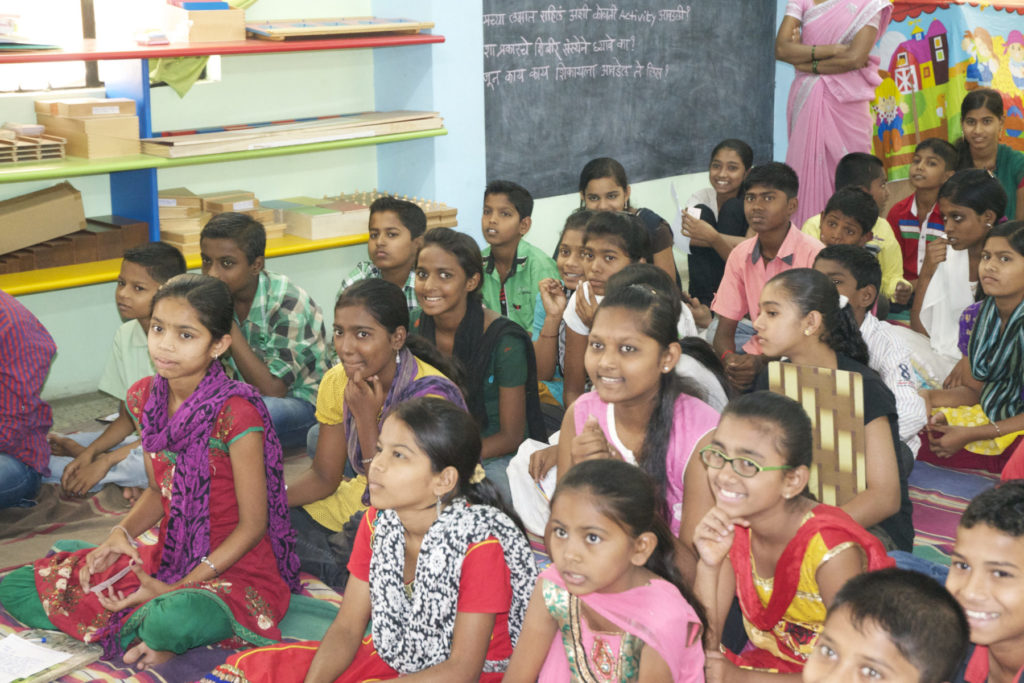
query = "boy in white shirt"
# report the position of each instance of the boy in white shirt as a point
(858, 276)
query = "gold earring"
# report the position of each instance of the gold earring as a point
(807, 333)
(438, 507)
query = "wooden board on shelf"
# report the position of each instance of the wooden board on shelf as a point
(255, 136)
(282, 29)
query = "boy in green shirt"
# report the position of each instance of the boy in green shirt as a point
(513, 267)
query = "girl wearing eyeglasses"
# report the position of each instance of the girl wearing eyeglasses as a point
(768, 542)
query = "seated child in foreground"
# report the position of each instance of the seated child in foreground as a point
(892, 625)
(768, 543)
(614, 600)
(83, 462)
(986, 577)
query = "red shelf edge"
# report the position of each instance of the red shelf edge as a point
(91, 50)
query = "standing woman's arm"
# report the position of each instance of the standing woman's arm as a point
(790, 49)
(849, 58)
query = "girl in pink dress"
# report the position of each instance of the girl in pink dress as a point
(613, 607)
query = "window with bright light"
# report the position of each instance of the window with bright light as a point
(57, 22)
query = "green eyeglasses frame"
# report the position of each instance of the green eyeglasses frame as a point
(715, 459)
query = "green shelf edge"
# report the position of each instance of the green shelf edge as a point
(75, 167)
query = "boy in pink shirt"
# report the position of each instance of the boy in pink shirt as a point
(769, 201)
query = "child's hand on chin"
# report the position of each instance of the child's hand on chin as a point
(714, 535)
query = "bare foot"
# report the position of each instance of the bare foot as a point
(131, 494)
(63, 446)
(142, 656)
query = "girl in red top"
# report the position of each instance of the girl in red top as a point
(441, 572)
(224, 562)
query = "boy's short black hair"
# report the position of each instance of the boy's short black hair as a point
(409, 215)
(775, 175)
(919, 616)
(862, 264)
(161, 260)
(517, 194)
(242, 229)
(1000, 507)
(855, 203)
(942, 149)
(858, 169)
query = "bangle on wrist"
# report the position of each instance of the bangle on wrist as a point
(131, 541)
(814, 66)
(813, 58)
(548, 336)
(209, 563)
(727, 353)
(999, 432)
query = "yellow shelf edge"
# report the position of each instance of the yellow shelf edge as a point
(98, 272)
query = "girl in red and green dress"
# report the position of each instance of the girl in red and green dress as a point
(223, 566)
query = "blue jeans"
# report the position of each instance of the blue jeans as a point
(129, 472)
(744, 331)
(292, 418)
(19, 483)
(496, 474)
(905, 560)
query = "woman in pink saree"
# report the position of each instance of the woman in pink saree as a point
(828, 42)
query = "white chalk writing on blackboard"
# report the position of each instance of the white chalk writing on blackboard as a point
(580, 44)
(552, 15)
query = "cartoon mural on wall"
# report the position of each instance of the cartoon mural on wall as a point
(931, 55)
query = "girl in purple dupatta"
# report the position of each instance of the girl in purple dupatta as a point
(224, 561)
(828, 42)
(381, 367)
(613, 607)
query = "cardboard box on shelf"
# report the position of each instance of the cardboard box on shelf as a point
(100, 146)
(40, 216)
(113, 126)
(108, 241)
(203, 26)
(87, 106)
(133, 232)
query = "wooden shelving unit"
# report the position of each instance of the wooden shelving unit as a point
(133, 179)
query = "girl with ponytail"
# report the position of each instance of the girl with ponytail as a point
(441, 572)
(613, 606)
(640, 410)
(803, 318)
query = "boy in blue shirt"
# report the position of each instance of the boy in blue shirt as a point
(513, 268)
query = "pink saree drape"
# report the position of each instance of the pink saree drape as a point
(828, 114)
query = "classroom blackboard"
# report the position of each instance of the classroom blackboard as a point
(652, 84)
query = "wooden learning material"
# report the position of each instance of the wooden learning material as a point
(282, 29)
(263, 136)
(439, 214)
(834, 400)
(24, 148)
